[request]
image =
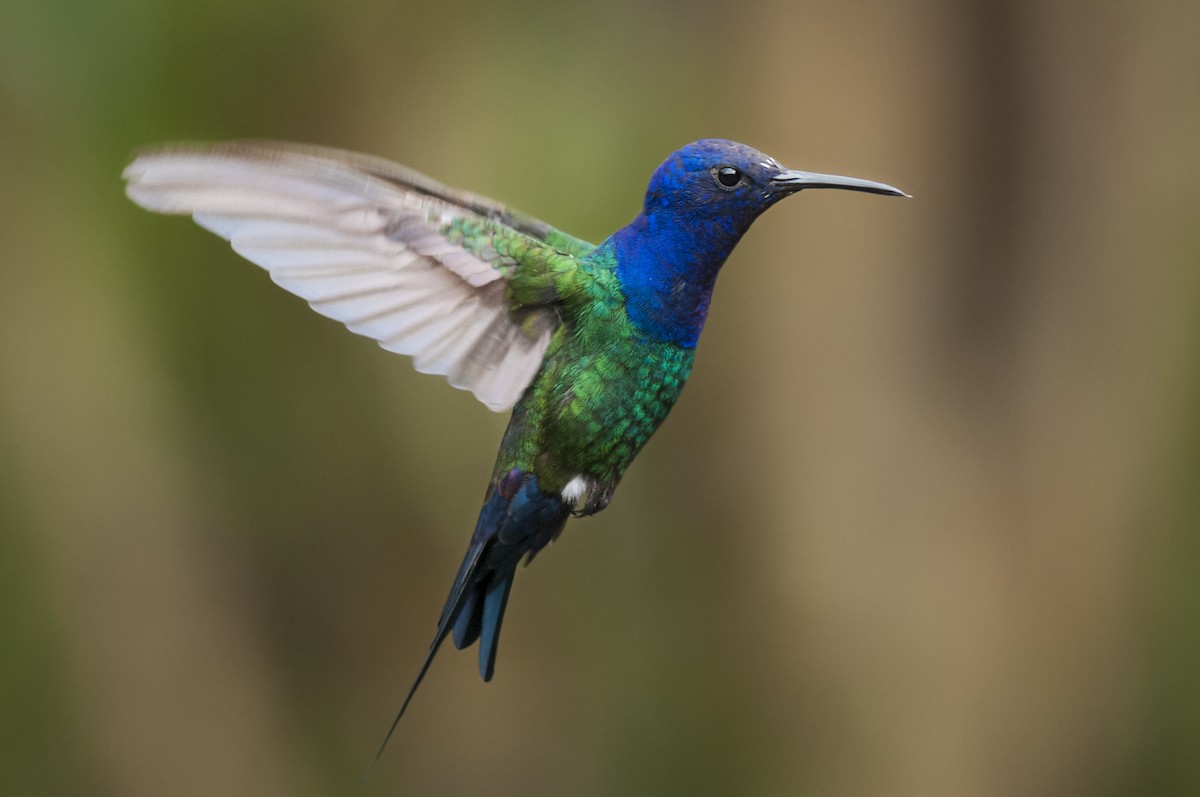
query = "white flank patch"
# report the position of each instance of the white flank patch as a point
(576, 489)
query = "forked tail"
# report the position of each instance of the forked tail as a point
(517, 519)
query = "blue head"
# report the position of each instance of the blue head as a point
(713, 182)
(700, 202)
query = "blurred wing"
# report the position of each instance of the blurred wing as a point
(373, 245)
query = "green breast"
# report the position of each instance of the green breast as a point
(608, 402)
(602, 393)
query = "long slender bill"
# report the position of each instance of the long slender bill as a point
(792, 180)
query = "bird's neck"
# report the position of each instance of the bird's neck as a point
(667, 267)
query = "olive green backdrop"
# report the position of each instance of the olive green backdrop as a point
(925, 521)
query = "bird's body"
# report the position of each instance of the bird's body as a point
(603, 389)
(589, 345)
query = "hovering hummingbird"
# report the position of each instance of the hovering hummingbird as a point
(588, 345)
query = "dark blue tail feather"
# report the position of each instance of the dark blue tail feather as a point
(517, 520)
(493, 616)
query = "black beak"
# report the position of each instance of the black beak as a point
(792, 181)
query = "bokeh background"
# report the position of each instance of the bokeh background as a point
(924, 523)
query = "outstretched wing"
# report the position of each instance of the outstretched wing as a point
(390, 253)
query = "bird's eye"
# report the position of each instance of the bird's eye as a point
(728, 176)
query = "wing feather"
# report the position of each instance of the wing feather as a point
(365, 242)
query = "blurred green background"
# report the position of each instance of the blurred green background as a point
(924, 523)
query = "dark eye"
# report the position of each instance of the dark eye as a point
(728, 176)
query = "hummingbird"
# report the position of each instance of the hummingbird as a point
(588, 345)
